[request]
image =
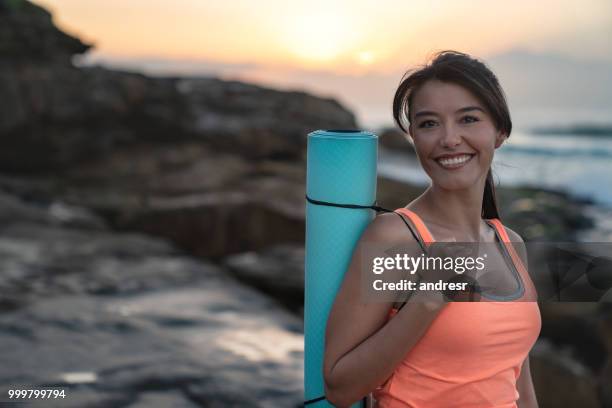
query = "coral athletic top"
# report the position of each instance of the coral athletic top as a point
(471, 355)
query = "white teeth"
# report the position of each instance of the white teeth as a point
(455, 161)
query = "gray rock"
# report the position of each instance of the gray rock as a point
(120, 319)
(277, 271)
(70, 114)
(27, 33)
(162, 400)
(206, 342)
(560, 381)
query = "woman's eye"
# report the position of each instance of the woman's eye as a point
(427, 124)
(470, 119)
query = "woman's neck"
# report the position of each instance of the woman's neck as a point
(459, 212)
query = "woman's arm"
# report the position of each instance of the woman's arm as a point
(524, 385)
(361, 351)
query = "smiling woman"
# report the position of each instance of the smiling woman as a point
(427, 353)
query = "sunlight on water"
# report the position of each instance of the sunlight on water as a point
(79, 377)
(267, 344)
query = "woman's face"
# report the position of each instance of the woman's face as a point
(454, 136)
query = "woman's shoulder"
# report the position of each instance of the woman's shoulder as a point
(389, 227)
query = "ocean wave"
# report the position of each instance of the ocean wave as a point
(558, 152)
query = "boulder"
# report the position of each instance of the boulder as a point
(277, 271)
(27, 33)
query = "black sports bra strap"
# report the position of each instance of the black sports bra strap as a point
(416, 236)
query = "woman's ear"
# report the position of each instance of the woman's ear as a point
(500, 138)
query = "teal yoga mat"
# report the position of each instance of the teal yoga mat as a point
(341, 168)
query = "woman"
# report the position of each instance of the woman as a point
(435, 353)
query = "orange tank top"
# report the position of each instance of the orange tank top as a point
(471, 354)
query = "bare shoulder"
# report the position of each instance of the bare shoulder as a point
(387, 228)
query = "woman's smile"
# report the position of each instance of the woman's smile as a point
(454, 162)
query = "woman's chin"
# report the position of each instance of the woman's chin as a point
(455, 183)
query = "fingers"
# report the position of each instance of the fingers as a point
(448, 272)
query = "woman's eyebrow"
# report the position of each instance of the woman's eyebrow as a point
(465, 109)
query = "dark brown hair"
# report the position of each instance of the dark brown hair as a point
(476, 77)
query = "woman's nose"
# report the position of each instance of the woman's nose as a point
(450, 136)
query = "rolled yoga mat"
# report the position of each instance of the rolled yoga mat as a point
(341, 169)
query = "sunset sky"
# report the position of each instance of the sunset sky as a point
(292, 43)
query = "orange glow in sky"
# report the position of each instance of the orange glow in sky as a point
(342, 36)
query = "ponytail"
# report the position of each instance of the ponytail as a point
(489, 202)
